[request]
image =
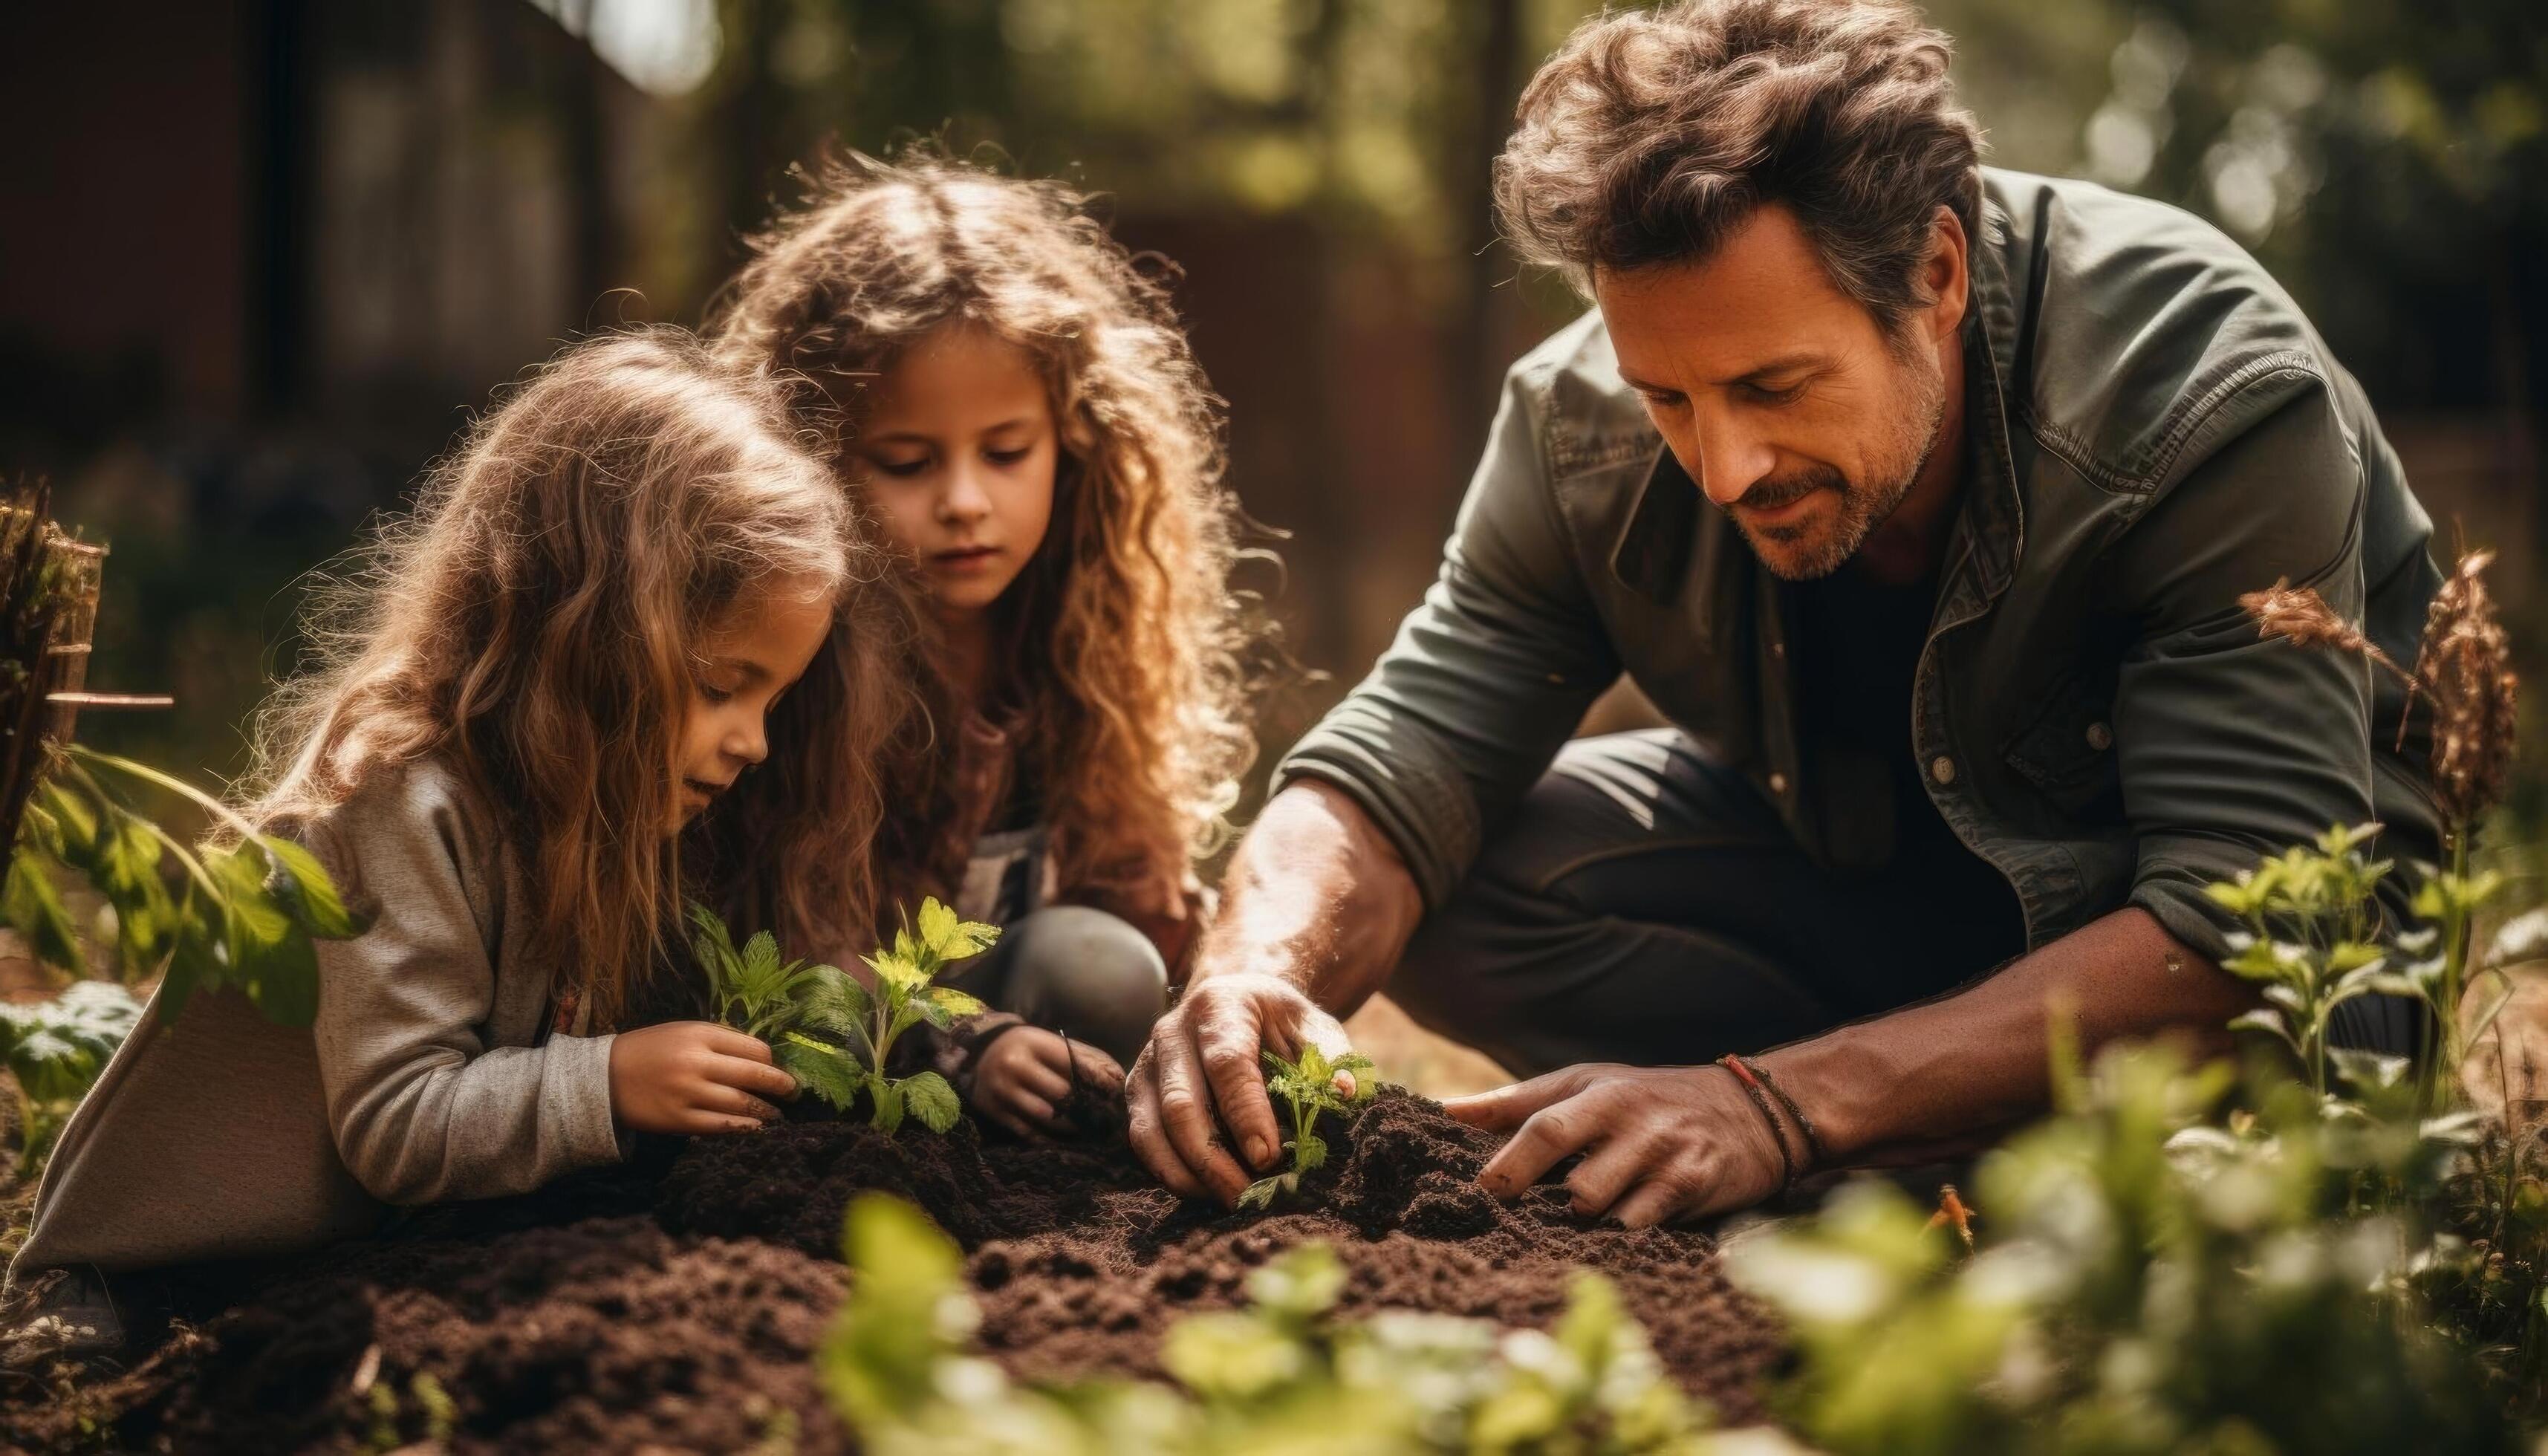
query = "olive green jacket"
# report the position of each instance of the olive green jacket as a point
(2154, 428)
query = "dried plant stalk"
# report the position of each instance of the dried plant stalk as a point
(2464, 667)
(40, 600)
(2301, 616)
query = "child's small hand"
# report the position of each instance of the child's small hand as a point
(693, 1076)
(1024, 1074)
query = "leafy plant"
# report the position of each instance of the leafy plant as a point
(242, 914)
(242, 911)
(2154, 1281)
(1282, 1375)
(786, 1002)
(55, 1050)
(1307, 1088)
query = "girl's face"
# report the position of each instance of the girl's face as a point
(741, 670)
(960, 450)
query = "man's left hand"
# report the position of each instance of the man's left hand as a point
(1660, 1144)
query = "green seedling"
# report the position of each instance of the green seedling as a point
(56, 1049)
(1308, 1087)
(835, 1036)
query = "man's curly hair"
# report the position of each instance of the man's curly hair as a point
(1649, 138)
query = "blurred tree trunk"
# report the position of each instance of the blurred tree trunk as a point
(281, 41)
(580, 131)
(1476, 362)
(751, 124)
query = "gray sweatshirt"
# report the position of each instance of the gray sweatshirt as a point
(427, 1078)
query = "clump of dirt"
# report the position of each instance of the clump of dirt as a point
(676, 1301)
(791, 1183)
(607, 1334)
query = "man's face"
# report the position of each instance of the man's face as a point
(1779, 394)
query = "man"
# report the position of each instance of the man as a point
(1919, 497)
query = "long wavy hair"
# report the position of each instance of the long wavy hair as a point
(1126, 650)
(532, 626)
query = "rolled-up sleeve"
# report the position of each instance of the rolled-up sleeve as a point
(2231, 745)
(1486, 678)
(422, 1109)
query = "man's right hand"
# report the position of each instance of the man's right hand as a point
(1202, 1071)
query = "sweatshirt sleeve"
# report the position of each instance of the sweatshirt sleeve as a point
(422, 1108)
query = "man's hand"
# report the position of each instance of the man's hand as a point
(693, 1076)
(1660, 1144)
(1201, 1070)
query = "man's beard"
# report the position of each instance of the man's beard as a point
(1810, 550)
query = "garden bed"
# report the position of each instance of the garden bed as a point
(679, 1300)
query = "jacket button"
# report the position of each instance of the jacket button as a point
(1943, 769)
(1778, 784)
(2100, 737)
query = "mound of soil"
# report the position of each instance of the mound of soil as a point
(677, 1301)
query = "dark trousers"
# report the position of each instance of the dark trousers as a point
(1075, 969)
(1646, 904)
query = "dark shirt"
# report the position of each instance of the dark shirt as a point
(1857, 645)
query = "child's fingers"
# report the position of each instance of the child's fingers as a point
(734, 1101)
(1042, 1077)
(694, 1122)
(1014, 1123)
(727, 1042)
(751, 1076)
(1036, 1110)
(1098, 1067)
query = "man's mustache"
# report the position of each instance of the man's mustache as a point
(1770, 494)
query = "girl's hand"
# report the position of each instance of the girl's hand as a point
(1024, 1076)
(693, 1076)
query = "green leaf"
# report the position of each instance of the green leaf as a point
(128, 876)
(74, 820)
(932, 1101)
(2369, 1070)
(1260, 1194)
(905, 1313)
(826, 1070)
(834, 1001)
(269, 957)
(895, 968)
(198, 960)
(56, 1047)
(1229, 1356)
(300, 884)
(1300, 1284)
(887, 1097)
(937, 925)
(31, 906)
(1311, 1152)
(954, 1002)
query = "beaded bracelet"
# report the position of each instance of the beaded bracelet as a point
(1813, 1139)
(1760, 1103)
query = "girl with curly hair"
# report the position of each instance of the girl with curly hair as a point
(628, 651)
(1010, 394)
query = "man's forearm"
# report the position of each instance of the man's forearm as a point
(1936, 1074)
(1315, 895)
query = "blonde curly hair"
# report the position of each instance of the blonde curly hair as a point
(1128, 647)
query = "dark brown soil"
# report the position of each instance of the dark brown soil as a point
(678, 1303)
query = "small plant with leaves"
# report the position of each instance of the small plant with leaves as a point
(1307, 1088)
(799, 1009)
(55, 1050)
(1286, 1374)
